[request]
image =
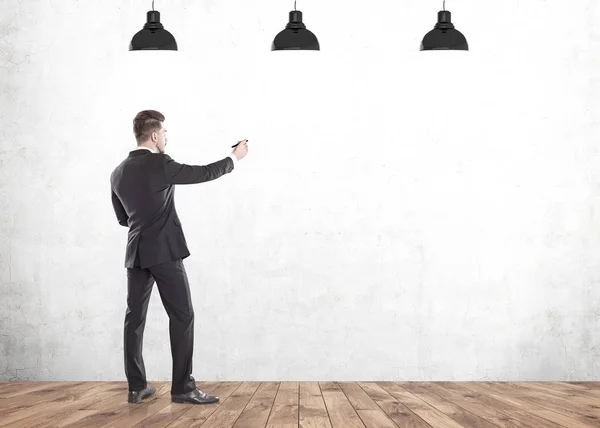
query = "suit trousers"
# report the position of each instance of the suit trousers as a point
(173, 286)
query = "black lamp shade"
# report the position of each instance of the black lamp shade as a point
(295, 36)
(444, 36)
(153, 36)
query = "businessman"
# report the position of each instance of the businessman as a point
(143, 199)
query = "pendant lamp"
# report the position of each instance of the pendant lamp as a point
(444, 36)
(153, 36)
(295, 36)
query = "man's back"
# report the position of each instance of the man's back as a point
(143, 200)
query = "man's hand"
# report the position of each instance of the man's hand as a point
(241, 150)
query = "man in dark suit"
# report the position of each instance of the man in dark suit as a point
(143, 199)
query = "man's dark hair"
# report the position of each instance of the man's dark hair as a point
(145, 123)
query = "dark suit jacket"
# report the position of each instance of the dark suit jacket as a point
(142, 197)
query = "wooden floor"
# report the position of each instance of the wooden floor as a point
(307, 404)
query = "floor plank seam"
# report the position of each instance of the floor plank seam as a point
(271, 410)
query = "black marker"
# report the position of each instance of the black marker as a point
(235, 145)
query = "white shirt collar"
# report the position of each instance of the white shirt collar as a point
(147, 148)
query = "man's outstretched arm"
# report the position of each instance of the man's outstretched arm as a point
(178, 173)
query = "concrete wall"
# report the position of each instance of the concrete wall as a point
(401, 215)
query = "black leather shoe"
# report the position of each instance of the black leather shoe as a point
(195, 397)
(136, 396)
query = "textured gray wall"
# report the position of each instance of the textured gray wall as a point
(400, 216)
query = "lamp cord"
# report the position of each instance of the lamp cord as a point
(444, 4)
(294, 4)
(152, 4)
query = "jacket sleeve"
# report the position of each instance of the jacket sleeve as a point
(179, 173)
(122, 217)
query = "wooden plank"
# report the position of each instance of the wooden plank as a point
(395, 410)
(173, 411)
(470, 404)
(576, 386)
(95, 418)
(586, 384)
(582, 413)
(4, 386)
(375, 419)
(226, 415)
(517, 414)
(583, 396)
(109, 412)
(359, 399)
(35, 398)
(310, 389)
(127, 414)
(29, 387)
(559, 399)
(460, 415)
(510, 397)
(312, 412)
(421, 408)
(285, 407)
(341, 413)
(199, 413)
(368, 411)
(80, 418)
(258, 409)
(39, 415)
(28, 409)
